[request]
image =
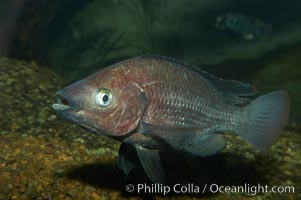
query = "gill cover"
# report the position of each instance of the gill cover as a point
(132, 103)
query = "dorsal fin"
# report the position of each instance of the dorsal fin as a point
(235, 92)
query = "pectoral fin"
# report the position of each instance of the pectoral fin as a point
(150, 161)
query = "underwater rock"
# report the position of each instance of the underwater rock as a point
(26, 94)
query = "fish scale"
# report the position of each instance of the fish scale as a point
(168, 94)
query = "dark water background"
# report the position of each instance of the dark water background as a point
(75, 38)
(78, 37)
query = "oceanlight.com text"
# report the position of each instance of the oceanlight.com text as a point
(191, 188)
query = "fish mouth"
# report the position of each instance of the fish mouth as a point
(68, 107)
(64, 102)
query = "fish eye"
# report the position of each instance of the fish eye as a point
(103, 97)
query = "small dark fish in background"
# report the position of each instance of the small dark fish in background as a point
(154, 103)
(242, 26)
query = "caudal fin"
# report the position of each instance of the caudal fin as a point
(266, 117)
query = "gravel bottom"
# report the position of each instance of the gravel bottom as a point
(37, 167)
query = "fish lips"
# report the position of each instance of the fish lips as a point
(66, 104)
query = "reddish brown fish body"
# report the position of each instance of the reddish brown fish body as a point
(156, 91)
(141, 100)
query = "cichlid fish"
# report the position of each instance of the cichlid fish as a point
(152, 103)
(242, 26)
